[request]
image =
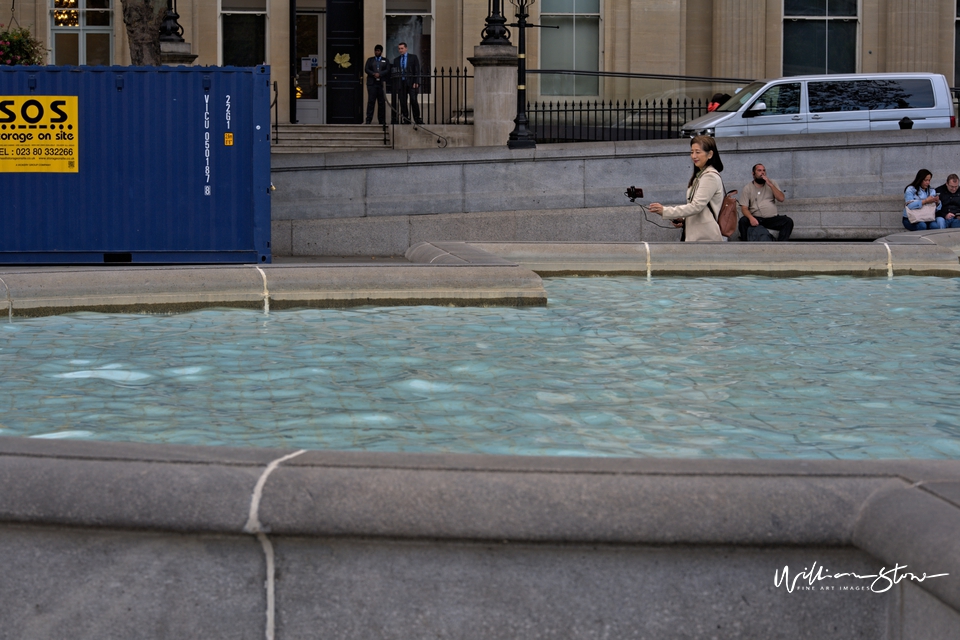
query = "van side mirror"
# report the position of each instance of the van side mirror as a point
(755, 109)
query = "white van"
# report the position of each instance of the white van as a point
(826, 103)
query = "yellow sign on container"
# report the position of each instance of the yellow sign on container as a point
(39, 134)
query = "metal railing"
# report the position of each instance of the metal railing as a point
(276, 114)
(624, 119)
(597, 120)
(442, 96)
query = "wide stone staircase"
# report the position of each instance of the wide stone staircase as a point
(327, 138)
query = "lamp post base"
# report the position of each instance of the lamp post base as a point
(522, 144)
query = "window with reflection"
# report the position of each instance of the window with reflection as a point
(575, 46)
(781, 99)
(243, 33)
(411, 21)
(956, 50)
(819, 36)
(867, 95)
(82, 32)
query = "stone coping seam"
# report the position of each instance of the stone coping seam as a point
(481, 505)
(916, 472)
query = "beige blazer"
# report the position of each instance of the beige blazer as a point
(700, 224)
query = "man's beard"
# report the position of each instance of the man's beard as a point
(760, 181)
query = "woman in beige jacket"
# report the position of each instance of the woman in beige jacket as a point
(705, 188)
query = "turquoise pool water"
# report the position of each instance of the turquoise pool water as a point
(819, 367)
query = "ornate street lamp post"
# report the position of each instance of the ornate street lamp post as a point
(170, 29)
(521, 137)
(495, 31)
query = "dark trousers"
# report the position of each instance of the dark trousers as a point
(376, 94)
(781, 224)
(406, 91)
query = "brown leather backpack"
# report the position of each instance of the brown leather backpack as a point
(727, 220)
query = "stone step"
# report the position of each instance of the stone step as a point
(333, 142)
(376, 142)
(329, 128)
(328, 138)
(354, 135)
(319, 149)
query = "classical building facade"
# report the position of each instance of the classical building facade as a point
(319, 70)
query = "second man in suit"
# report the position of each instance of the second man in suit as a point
(405, 79)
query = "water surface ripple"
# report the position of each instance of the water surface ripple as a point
(817, 367)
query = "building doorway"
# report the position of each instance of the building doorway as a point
(311, 68)
(345, 58)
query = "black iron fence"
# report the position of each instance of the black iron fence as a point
(442, 96)
(597, 120)
(655, 118)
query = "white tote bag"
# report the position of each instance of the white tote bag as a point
(926, 213)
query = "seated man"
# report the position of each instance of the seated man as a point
(950, 202)
(758, 202)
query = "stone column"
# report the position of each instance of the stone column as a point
(739, 38)
(494, 93)
(913, 30)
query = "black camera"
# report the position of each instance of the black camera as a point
(633, 193)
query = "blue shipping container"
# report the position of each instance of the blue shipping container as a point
(134, 164)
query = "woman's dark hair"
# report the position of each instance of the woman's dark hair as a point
(708, 144)
(921, 176)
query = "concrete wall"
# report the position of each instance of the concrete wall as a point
(842, 186)
(105, 540)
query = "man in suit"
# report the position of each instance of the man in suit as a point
(406, 82)
(377, 69)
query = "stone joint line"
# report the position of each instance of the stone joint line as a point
(253, 520)
(266, 293)
(9, 301)
(253, 526)
(437, 257)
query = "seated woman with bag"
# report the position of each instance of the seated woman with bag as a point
(922, 204)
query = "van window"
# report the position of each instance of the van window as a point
(741, 98)
(781, 99)
(865, 95)
(903, 94)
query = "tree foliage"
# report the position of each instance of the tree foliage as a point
(142, 19)
(18, 46)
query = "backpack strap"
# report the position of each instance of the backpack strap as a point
(722, 189)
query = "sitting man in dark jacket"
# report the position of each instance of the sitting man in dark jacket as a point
(950, 201)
